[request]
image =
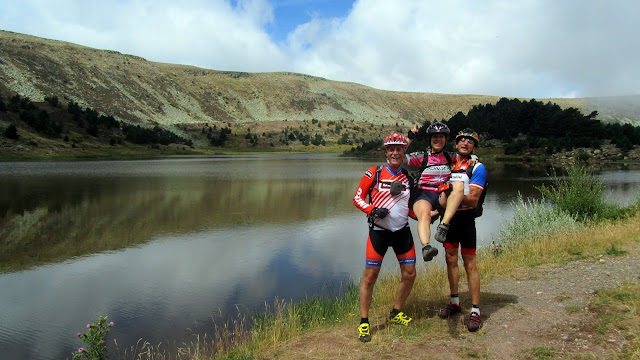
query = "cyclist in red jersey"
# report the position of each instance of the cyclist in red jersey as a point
(388, 187)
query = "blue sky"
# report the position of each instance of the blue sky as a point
(288, 14)
(526, 48)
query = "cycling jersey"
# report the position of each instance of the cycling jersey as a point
(436, 172)
(478, 177)
(381, 197)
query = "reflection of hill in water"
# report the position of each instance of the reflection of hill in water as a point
(134, 212)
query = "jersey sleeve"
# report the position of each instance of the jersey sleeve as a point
(360, 198)
(479, 176)
(415, 158)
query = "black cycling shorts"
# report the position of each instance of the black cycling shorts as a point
(462, 232)
(380, 240)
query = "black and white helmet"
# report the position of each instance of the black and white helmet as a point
(438, 128)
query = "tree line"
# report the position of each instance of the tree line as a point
(522, 126)
(43, 123)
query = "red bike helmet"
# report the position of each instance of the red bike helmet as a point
(395, 139)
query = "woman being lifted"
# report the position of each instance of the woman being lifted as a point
(434, 183)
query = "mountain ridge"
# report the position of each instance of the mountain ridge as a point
(138, 91)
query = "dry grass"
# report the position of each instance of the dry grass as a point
(588, 241)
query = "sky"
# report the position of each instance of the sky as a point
(525, 48)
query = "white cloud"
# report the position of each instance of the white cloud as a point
(529, 48)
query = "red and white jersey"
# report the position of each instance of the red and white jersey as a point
(381, 197)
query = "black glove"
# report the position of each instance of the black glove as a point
(379, 213)
(411, 135)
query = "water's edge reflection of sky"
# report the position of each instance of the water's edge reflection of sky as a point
(182, 240)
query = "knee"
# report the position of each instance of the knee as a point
(470, 267)
(369, 280)
(409, 274)
(451, 258)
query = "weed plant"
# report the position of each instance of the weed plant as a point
(95, 340)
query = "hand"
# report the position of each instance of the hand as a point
(473, 160)
(379, 213)
(413, 132)
(435, 214)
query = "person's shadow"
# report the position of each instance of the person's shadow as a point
(491, 302)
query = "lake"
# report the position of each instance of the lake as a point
(163, 247)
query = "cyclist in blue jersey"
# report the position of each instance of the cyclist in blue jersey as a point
(462, 233)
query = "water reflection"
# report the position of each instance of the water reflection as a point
(57, 216)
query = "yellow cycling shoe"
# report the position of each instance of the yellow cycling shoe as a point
(364, 332)
(401, 319)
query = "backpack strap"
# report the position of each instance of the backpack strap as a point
(376, 179)
(470, 170)
(448, 157)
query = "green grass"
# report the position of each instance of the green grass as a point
(542, 352)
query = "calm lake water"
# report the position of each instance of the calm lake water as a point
(163, 247)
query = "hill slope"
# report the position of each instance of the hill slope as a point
(138, 91)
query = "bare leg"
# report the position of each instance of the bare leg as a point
(406, 284)
(422, 209)
(366, 289)
(473, 277)
(453, 201)
(453, 273)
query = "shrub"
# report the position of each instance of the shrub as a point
(12, 132)
(581, 195)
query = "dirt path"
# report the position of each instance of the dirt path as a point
(547, 307)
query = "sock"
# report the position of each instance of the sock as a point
(455, 299)
(475, 309)
(364, 320)
(394, 312)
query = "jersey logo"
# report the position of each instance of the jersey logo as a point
(368, 174)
